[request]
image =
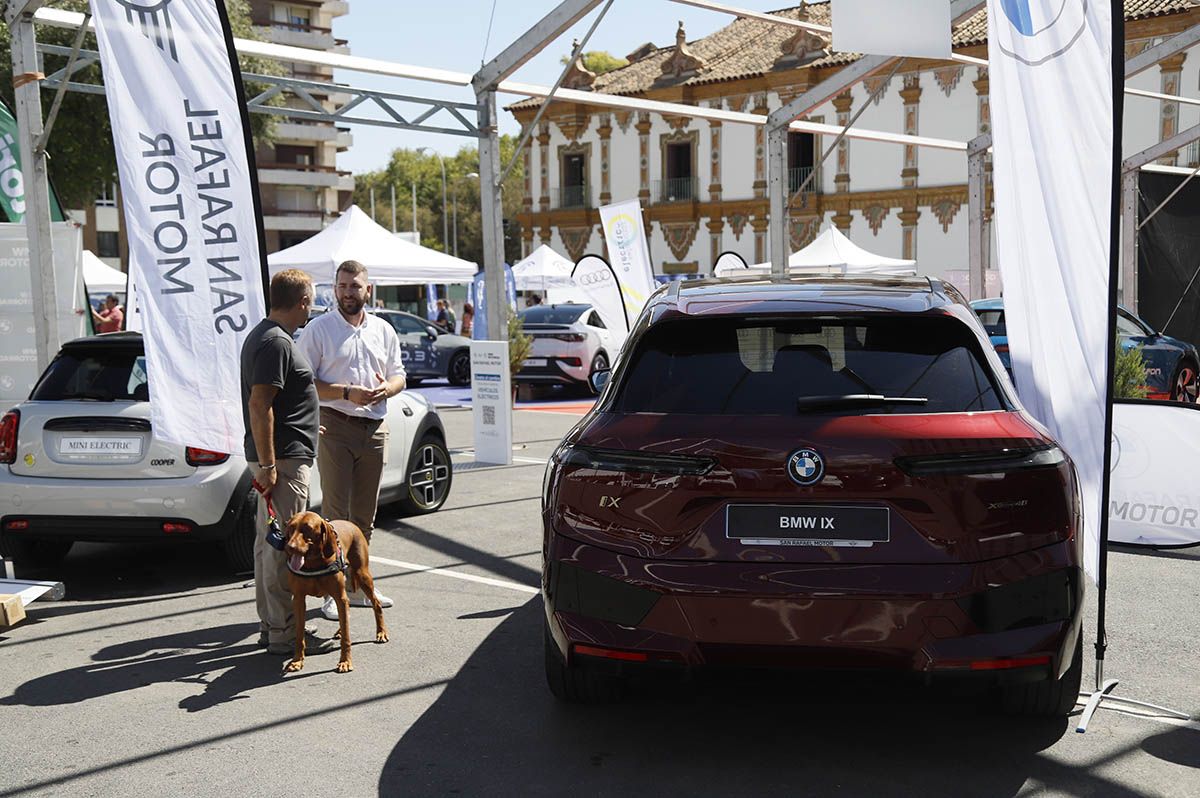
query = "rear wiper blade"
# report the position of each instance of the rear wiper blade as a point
(807, 404)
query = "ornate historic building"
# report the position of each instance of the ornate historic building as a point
(703, 184)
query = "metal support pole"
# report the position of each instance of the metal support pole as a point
(456, 220)
(777, 191)
(393, 187)
(1129, 228)
(491, 212)
(976, 200)
(37, 188)
(40, 149)
(414, 204)
(373, 204)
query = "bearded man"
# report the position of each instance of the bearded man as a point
(356, 358)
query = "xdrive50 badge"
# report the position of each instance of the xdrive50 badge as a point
(805, 467)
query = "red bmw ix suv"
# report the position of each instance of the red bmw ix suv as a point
(813, 473)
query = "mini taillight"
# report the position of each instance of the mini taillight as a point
(8, 436)
(16, 523)
(1002, 347)
(989, 462)
(572, 361)
(174, 528)
(619, 460)
(202, 457)
(573, 338)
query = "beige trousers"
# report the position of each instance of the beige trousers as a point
(351, 456)
(272, 595)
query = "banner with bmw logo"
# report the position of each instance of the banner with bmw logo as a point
(1050, 66)
(191, 201)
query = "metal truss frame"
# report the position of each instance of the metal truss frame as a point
(306, 90)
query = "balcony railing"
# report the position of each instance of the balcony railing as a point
(676, 189)
(283, 24)
(798, 175)
(1192, 154)
(313, 212)
(571, 197)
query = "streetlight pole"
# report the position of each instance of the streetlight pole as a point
(445, 219)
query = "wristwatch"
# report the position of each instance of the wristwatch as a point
(346, 392)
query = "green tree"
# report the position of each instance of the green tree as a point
(599, 61)
(82, 158)
(407, 167)
(1129, 373)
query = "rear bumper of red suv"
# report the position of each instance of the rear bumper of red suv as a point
(1012, 618)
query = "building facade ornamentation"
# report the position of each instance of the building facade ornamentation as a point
(682, 63)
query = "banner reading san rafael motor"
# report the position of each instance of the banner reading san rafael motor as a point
(190, 195)
(1050, 66)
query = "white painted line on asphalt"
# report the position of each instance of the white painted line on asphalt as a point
(534, 460)
(483, 580)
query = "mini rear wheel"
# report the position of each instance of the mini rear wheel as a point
(573, 684)
(239, 546)
(34, 553)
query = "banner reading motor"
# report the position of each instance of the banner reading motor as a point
(191, 200)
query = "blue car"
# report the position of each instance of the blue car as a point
(1172, 365)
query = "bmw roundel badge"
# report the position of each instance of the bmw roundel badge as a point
(805, 467)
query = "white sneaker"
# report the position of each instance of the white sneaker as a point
(329, 608)
(360, 600)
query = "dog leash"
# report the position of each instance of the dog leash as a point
(274, 534)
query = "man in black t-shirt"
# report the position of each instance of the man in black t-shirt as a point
(281, 412)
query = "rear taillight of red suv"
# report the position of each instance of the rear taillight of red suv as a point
(8, 436)
(641, 462)
(203, 457)
(998, 461)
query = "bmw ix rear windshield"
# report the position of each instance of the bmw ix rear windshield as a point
(724, 366)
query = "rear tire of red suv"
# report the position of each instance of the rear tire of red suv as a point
(1053, 698)
(576, 685)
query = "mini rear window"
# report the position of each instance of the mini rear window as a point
(102, 376)
(553, 314)
(993, 321)
(748, 367)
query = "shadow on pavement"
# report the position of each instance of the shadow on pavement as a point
(97, 571)
(224, 659)
(496, 728)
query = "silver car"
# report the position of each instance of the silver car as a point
(79, 461)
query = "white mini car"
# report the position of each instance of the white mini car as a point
(79, 461)
(570, 344)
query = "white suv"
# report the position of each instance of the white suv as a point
(570, 344)
(79, 461)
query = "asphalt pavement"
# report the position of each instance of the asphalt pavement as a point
(146, 681)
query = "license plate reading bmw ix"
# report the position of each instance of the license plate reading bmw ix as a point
(806, 525)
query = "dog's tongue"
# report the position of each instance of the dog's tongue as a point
(296, 563)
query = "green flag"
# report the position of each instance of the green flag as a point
(12, 181)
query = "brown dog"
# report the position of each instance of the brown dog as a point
(318, 551)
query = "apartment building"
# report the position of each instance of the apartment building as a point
(300, 185)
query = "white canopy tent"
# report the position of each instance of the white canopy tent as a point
(830, 253)
(389, 260)
(99, 276)
(542, 270)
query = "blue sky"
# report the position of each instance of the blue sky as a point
(450, 34)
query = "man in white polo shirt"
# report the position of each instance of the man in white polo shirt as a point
(356, 358)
